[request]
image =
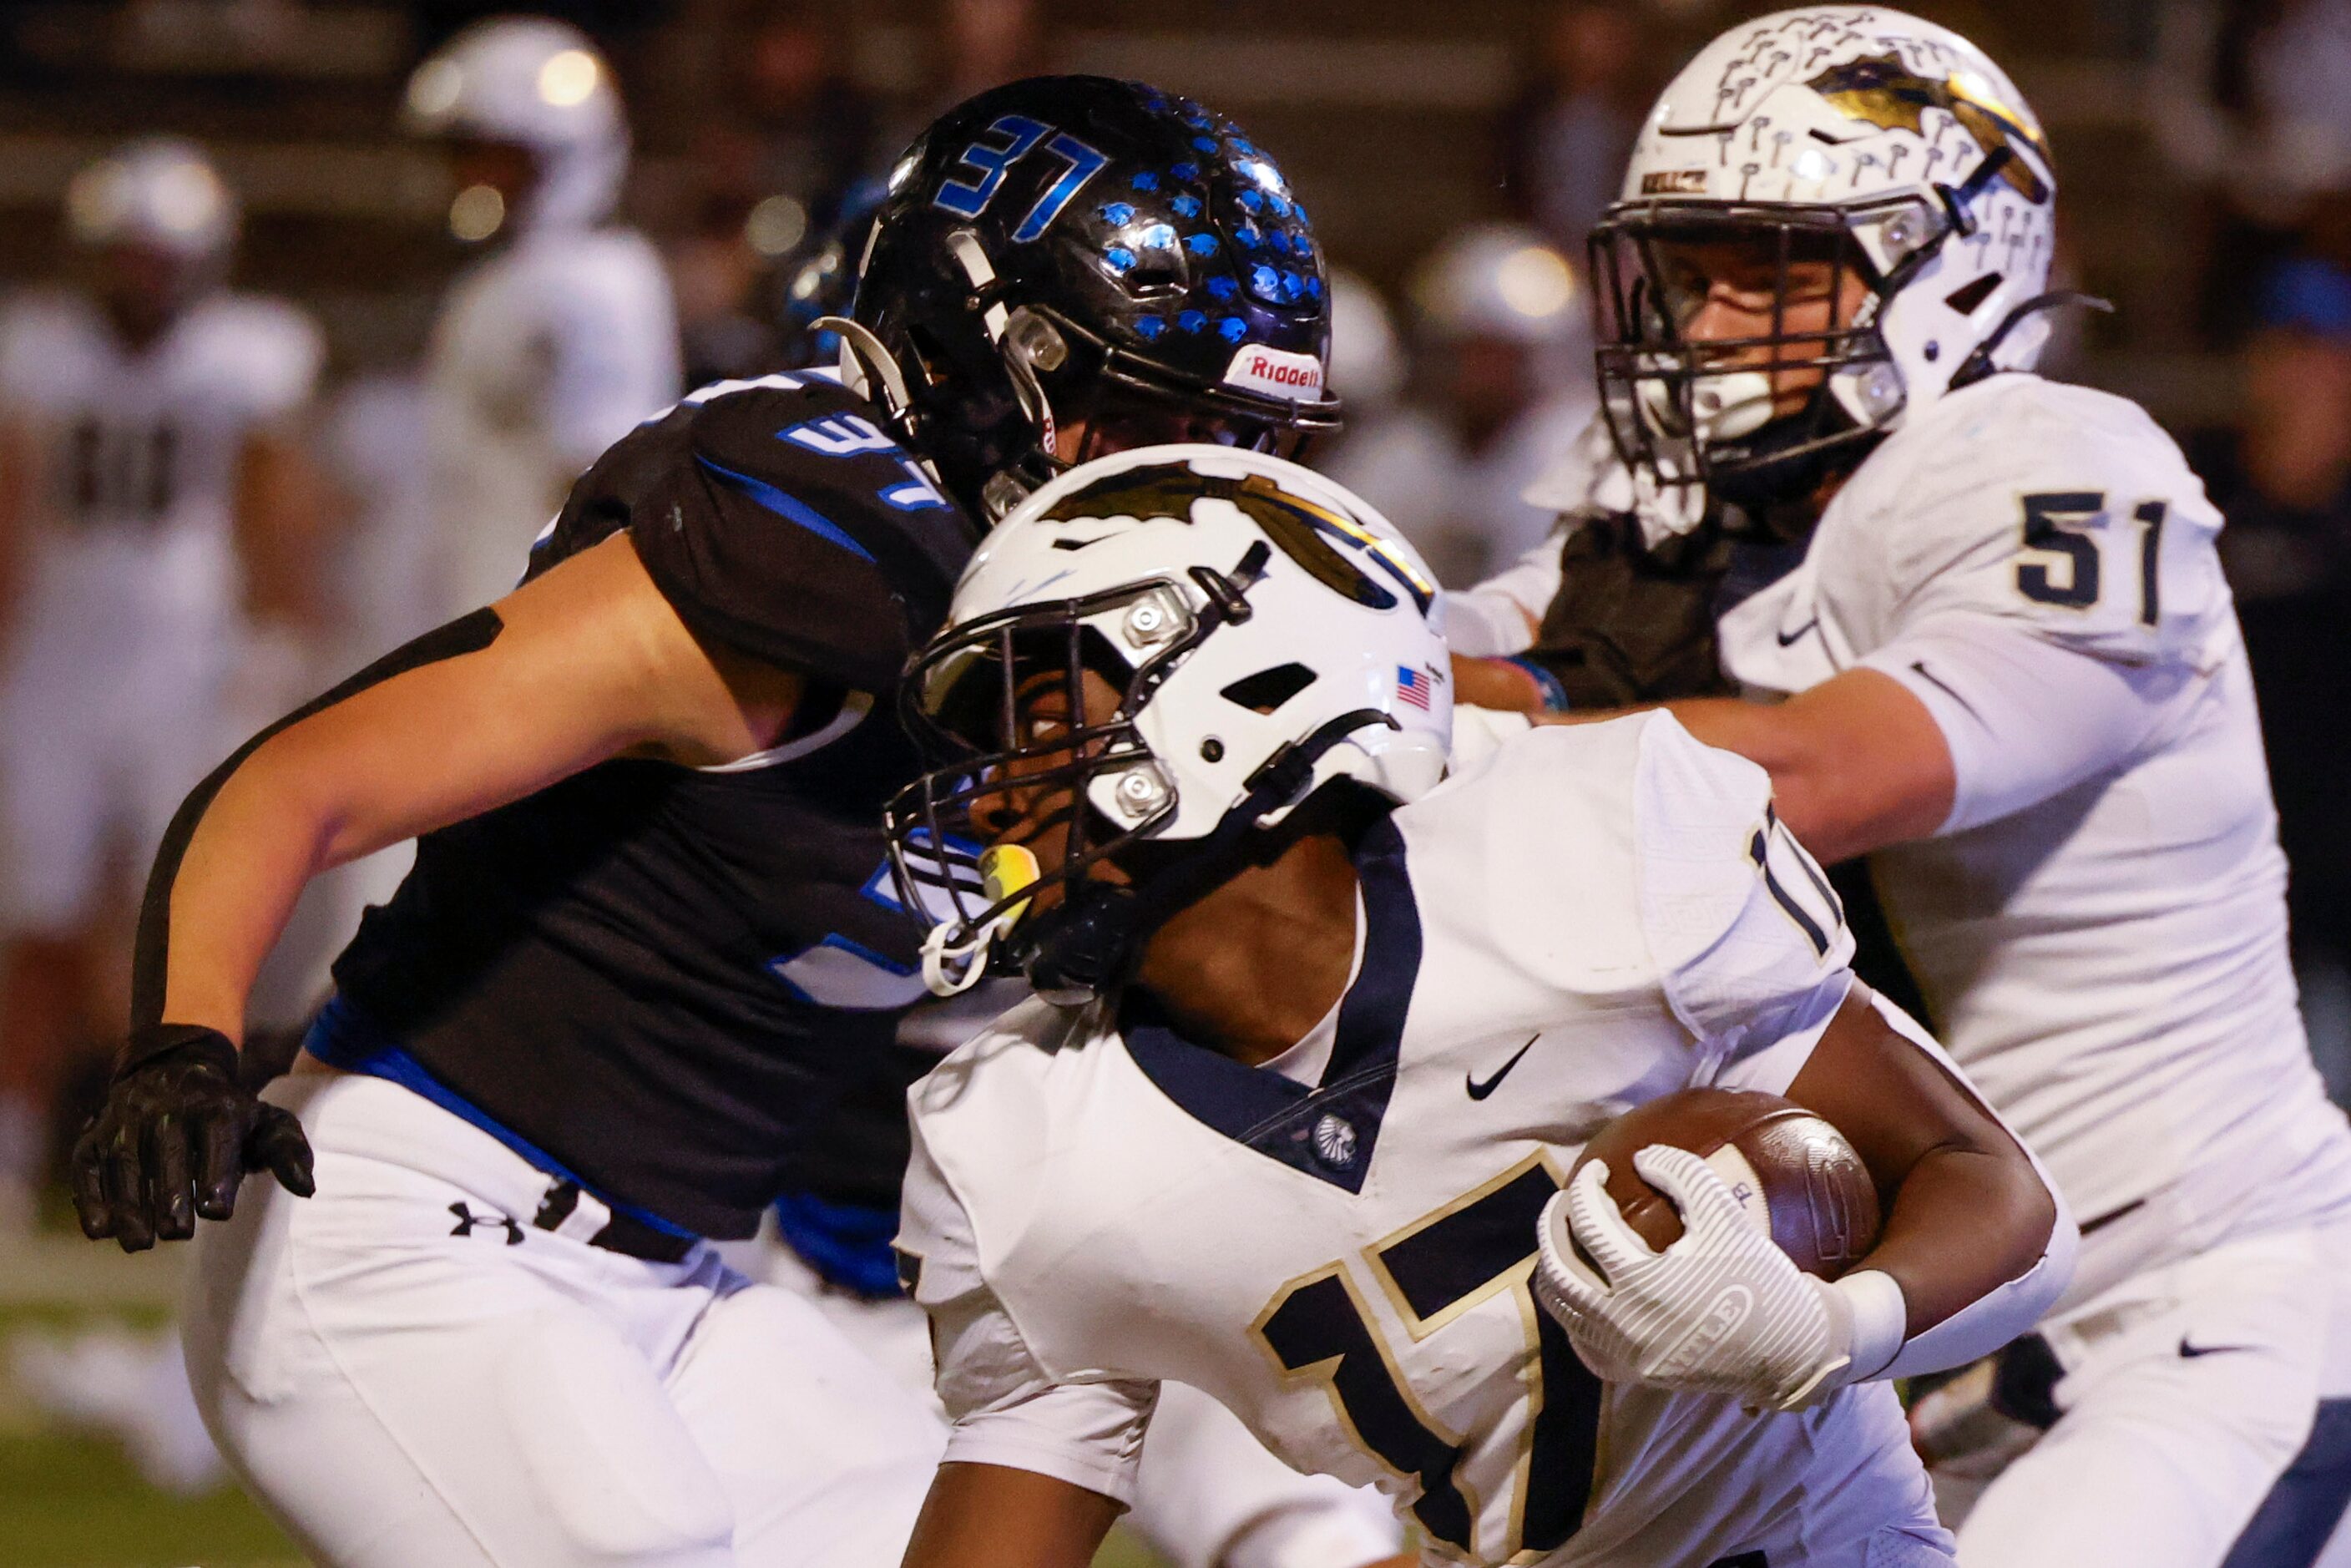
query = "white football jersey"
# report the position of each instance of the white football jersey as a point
(1337, 1245)
(543, 354)
(2099, 929)
(136, 453)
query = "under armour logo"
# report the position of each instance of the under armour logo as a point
(467, 1219)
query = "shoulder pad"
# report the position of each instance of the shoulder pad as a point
(2058, 506)
(779, 517)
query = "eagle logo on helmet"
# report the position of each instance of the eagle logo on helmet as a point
(1883, 92)
(1291, 521)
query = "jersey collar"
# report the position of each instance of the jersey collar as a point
(1328, 1129)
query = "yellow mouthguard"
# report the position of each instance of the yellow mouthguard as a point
(1004, 871)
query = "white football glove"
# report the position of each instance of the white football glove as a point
(1721, 1310)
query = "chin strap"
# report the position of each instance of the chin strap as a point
(1083, 947)
(1978, 365)
(951, 969)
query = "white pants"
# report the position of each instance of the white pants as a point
(404, 1378)
(1209, 1494)
(2189, 1391)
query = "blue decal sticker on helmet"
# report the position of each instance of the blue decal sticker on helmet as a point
(1232, 329)
(1201, 244)
(1192, 321)
(1158, 236)
(1145, 181)
(1187, 206)
(1120, 259)
(1185, 172)
(1265, 282)
(1118, 213)
(1222, 288)
(1150, 326)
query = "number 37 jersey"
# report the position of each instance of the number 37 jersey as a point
(1339, 1253)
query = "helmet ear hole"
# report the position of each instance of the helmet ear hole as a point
(1268, 689)
(1969, 297)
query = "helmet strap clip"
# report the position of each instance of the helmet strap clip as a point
(872, 361)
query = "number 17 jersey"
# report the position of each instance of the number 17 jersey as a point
(1338, 1252)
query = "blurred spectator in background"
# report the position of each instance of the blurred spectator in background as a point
(2281, 477)
(815, 130)
(1367, 360)
(2249, 99)
(1567, 136)
(1500, 387)
(157, 530)
(721, 275)
(982, 43)
(559, 341)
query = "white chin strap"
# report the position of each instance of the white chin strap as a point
(950, 969)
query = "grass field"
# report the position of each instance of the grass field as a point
(77, 1501)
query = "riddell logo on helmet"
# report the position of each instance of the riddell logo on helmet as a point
(1674, 183)
(1297, 377)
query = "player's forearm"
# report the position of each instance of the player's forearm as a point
(1974, 1235)
(989, 1516)
(1856, 763)
(255, 848)
(1965, 1221)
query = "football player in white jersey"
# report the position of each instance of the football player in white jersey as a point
(1318, 1042)
(2011, 670)
(555, 344)
(154, 518)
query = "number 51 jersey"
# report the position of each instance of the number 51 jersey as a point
(2099, 928)
(1337, 1245)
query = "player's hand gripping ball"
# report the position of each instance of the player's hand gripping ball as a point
(1693, 1246)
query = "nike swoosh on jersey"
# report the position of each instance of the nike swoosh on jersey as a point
(2190, 1352)
(1789, 639)
(1480, 1091)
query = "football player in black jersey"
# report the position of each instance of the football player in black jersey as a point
(649, 936)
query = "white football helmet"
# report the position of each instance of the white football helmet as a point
(1852, 134)
(538, 84)
(1266, 633)
(162, 193)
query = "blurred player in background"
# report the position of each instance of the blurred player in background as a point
(564, 336)
(157, 538)
(1501, 385)
(2011, 669)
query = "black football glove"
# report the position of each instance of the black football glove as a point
(175, 1136)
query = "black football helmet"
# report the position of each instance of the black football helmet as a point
(1068, 248)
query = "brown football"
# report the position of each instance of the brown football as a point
(1795, 1173)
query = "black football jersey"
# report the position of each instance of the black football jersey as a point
(663, 977)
